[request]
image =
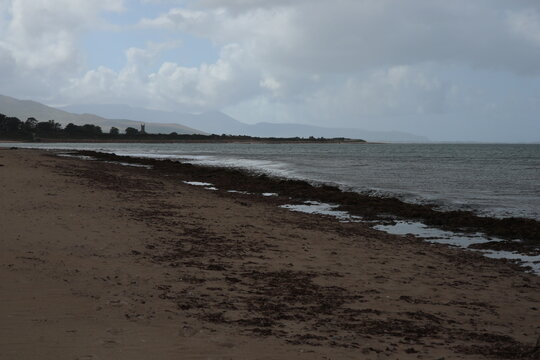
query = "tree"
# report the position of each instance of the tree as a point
(131, 131)
(10, 125)
(72, 129)
(30, 124)
(91, 130)
(48, 126)
(56, 126)
(114, 131)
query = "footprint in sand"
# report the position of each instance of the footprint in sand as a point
(113, 331)
(187, 331)
(109, 343)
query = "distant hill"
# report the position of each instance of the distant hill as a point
(216, 122)
(213, 122)
(279, 130)
(24, 109)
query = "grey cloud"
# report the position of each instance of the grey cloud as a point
(239, 6)
(349, 35)
(319, 61)
(350, 61)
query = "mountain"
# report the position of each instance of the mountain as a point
(157, 121)
(213, 122)
(280, 130)
(216, 122)
(24, 109)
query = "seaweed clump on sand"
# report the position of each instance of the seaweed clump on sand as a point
(366, 206)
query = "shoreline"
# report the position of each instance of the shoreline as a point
(101, 260)
(365, 206)
(214, 141)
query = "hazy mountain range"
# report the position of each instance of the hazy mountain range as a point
(24, 109)
(215, 122)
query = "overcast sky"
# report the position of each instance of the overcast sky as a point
(450, 70)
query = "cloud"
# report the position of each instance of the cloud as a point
(171, 86)
(241, 6)
(525, 23)
(352, 35)
(39, 40)
(319, 61)
(43, 34)
(270, 83)
(175, 19)
(302, 47)
(358, 100)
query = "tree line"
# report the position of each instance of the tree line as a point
(12, 128)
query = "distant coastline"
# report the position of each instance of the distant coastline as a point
(32, 130)
(194, 141)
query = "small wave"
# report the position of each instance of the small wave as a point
(198, 183)
(315, 207)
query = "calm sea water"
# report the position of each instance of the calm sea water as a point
(496, 180)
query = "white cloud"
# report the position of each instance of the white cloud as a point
(39, 40)
(43, 33)
(270, 83)
(526, 23)
(175, 19)
(208, 86)
(282, 60)
(310, 45)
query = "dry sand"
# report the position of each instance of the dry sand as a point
(102, 261)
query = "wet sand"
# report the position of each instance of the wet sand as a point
(358, 204)
(103, 261)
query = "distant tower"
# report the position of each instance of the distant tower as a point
(143, 130)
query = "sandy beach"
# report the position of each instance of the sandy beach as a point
(104, 261)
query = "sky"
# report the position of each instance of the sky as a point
(455, 70)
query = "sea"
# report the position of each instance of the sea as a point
(498, 180)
